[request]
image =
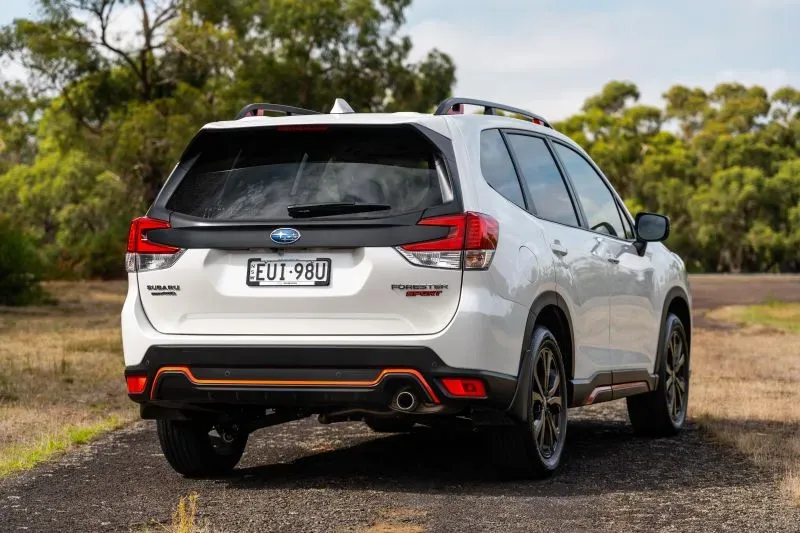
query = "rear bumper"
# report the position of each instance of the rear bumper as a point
(485, 334)
(318, 378)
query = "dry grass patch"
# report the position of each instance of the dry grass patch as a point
(746, 393)
(184, 518)
(779, 315)
(60, 372)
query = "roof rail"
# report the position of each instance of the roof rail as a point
(253, 109)
(489, 108)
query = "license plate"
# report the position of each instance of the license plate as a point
(288, 272)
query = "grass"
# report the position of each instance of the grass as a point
(26, 455)
(774, 314)
(184, 518)
(60, 373)
(746, 390)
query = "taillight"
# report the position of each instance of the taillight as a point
(145, 255)
(470, 244)
(137, 237)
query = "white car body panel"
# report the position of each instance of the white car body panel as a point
(583, 281)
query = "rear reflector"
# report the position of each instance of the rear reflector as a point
(464, 387)
(470, 243)
(136, 384)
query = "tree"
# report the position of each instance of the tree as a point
(721, 164)
(77, 165)
(19, 112)
(134, 102)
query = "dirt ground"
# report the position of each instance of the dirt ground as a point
(60, 371)
(710, 291)
(304, 476)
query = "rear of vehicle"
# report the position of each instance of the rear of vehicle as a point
(296, 266)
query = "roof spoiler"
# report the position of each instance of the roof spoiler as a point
(257, 110)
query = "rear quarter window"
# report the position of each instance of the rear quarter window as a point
(498, 169)
(257, 173)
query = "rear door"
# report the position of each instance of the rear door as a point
(633, 313)
(292, 231)
(582, 271)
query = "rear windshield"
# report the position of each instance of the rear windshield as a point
(259, 173)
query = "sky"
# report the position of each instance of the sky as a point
(549, 55)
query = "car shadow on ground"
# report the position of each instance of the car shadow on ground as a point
(602, 456)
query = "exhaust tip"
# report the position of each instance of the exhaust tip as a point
(405, 400)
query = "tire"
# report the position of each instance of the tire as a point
(191, 450)
(662, 412)
(389, 425)
(533, 449)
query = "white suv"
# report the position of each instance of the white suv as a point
(399, 269)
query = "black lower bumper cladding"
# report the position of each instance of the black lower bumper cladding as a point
(305, 376)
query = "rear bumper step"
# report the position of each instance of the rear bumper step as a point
(307, 377)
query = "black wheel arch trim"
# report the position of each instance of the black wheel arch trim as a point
(519, 404)
(675, 293)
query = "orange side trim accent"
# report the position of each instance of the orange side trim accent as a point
(614, 388)
(630, 385)
(186, 371)
(595, 393)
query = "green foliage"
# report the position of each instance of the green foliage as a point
(723, 166)
(20, 266)
(77, 167)
(77, 211)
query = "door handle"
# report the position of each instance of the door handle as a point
(559, 249)
(613, 260)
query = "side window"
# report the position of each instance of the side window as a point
(497, 168)
(544, 181)
(597, 201)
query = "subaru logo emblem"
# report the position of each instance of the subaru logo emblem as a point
(284, 235)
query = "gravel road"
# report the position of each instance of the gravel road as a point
(304, 476)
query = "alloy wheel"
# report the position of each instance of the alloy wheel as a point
(548, 405)
(677, 374)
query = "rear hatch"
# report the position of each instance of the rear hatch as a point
(295, 230)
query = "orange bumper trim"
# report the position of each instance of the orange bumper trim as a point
(186, 371)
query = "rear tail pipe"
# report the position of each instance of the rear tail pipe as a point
(404, 400)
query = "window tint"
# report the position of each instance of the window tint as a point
(544, 181)
(257, 173)
(597, 201)
(497, 168)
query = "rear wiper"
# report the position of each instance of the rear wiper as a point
(333, 208)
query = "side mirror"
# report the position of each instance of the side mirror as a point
(650, 227)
